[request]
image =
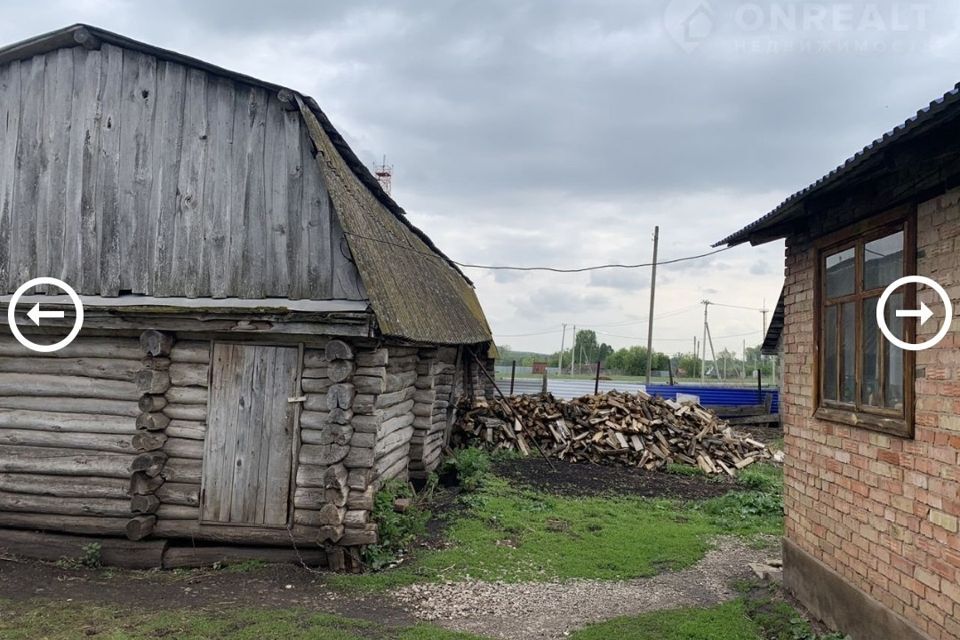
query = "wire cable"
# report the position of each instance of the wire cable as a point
(550, 269)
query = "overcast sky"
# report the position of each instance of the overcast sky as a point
(559, 133)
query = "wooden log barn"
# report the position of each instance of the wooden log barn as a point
(267, 338)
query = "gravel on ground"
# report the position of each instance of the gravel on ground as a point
(548, 610)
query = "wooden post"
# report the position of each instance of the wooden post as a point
(513, 375)
(543, 390)
(653, 288)
(596, 382)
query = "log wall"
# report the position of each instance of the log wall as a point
(67, 423)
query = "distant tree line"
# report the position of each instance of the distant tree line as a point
(632, 361)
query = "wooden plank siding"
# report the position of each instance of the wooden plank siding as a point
(250, 435)
(121, 173)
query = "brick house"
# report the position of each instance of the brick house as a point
(872, 482)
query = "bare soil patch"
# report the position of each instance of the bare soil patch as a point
(578, 479)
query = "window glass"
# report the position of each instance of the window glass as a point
(882, 261)
(893, 389)
(830, 353)
(840, 273)
(870, 367)
(848, 328)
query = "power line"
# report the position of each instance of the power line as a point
(593, 268)
(666, 314)
(550, 269)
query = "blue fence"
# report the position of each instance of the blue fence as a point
(713, 396)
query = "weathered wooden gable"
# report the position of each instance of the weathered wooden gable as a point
(121, 172)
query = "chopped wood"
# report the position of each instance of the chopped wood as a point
(608, 428)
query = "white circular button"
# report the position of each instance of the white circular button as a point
(36, 314)
(923, 313)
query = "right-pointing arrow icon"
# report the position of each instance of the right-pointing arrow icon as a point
(923, 313)
(36, 314)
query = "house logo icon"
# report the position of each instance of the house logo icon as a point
(689, 22)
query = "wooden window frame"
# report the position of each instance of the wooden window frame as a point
(890, 421)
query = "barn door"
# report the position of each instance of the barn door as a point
(248, 455)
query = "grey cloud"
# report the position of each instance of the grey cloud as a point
(622, 279)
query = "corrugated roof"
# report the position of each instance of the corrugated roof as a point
(946, 104)
(771, 340)
(416, 292)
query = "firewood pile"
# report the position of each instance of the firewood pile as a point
(609, 428)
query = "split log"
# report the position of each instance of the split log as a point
(322, 455)
(389, 459)
(186, 429)
(152, 421)
(63, 487)
(16, 384)
(83, 347)
(191, 412)
(187, 395)
(48, 404)
(338, 350)
(87, 525)
(374, 358)
(147, 441)
(153, 382)
(184, 374)
(101, 368)
(358, 537)
(398, 410)
(367, 423)
(395, 397)
(340, 370)
(315, 385)
(139, 527)
(149, 404)
(340, 416)
(149, 463)
(144, 504)
(155, 362)
(359, 478)
(29, 503)
(359, 457)
(340, 396)
(177, 512)
(183, 448)
(191, 557)
(156, 343)
(141, 484)
(179, 493)
(395, 439)
(116, 443)
(328, 515)
(333, 434)
(53, 547)
(192, 352)
(303, 537)
(181, 470)
(69, 462)
(361, 499)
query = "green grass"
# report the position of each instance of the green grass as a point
(33, 620)
(513, 534)
(728, 621)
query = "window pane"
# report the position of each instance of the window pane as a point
(883, 261)
(893, 389)
(870, 366)
(840, 273)
(830, 353)
(848, 327)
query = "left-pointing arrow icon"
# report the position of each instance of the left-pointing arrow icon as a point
(923, 313)
(36, 314)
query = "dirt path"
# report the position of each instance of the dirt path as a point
(271, 586)
(552, 609)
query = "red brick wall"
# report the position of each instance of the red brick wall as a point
(879, 510)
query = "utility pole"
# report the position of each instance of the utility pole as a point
(563, 337)
(573, 350)
(696, 354)
(703, 345)
(653, 288)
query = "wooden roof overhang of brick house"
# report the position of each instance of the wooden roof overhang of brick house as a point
(916, 160)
